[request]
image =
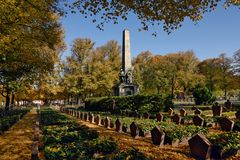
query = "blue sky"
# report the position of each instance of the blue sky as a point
(218, 32)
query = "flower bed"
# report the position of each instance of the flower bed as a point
(10, 118)
(65, 139)
(225, 145)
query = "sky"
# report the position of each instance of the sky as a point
(218, 32)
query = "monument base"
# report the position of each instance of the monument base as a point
(124, 89)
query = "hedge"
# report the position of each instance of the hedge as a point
(13, 116)
(140, 103)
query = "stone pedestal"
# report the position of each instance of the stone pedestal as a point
(124, 89)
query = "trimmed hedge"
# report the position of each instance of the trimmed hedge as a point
(10, 118)
(141, 103)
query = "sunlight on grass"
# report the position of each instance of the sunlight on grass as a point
(16, 143)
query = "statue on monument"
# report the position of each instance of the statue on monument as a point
(129, 77)
(121, 76)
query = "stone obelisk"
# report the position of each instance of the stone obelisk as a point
(125, 86)
(126, 54)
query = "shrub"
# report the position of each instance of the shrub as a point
(140, 103)
(203, 95)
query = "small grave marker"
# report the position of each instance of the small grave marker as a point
(170, 111)
(183, 112)
(98, 120)
(92, 118)
(118, 125)
(134, 130)
(217, 110)
(157, 136)
(176, 118)
(226, 124)
(200, 147)
(107, 122)
(198, 120)
(237, 114)
(159, 117)
(197, 112)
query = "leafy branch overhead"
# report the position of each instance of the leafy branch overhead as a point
(170, 14)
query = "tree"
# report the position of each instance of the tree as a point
(169, 13)
(236, 62)
(203, 95)
(140, 65)
(210, 70)
(92, 72)
(187, 74)
(226, 74)
(31, 39)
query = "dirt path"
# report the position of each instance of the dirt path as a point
(16, 143)
(145, 145)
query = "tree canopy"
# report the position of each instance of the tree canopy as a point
(168, 14)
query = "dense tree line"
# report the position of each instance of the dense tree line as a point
(91, 72)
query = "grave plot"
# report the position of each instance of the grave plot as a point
(175, 135)
(63, 138)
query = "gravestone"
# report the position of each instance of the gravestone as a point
(78, 116)
(217, 110)
(170, 111)
(200, 147)
(157, 136)
(125, 129)
(107, 122)
(118, 125)
(86, 117)
(76, 113)
(143, 133)
(198, 120)
(159, 117)
(92, 118)
(146, 115)
(81, 115)
(183, 112)
(237, 114)
(134, 130)
(226, 124)
(176, 118)
(98, 120)
(197, 112)
(102, 122)
(228, 104)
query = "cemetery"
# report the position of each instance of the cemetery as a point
(119, 80)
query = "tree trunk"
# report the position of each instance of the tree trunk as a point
(7, 101)
(172, 87)
(68, 100)
(12, 100)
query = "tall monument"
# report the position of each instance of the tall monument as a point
(125, 86)
(126, 54)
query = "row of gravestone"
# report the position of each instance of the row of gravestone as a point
(225, 123)
(200, 146)
(157, 135)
